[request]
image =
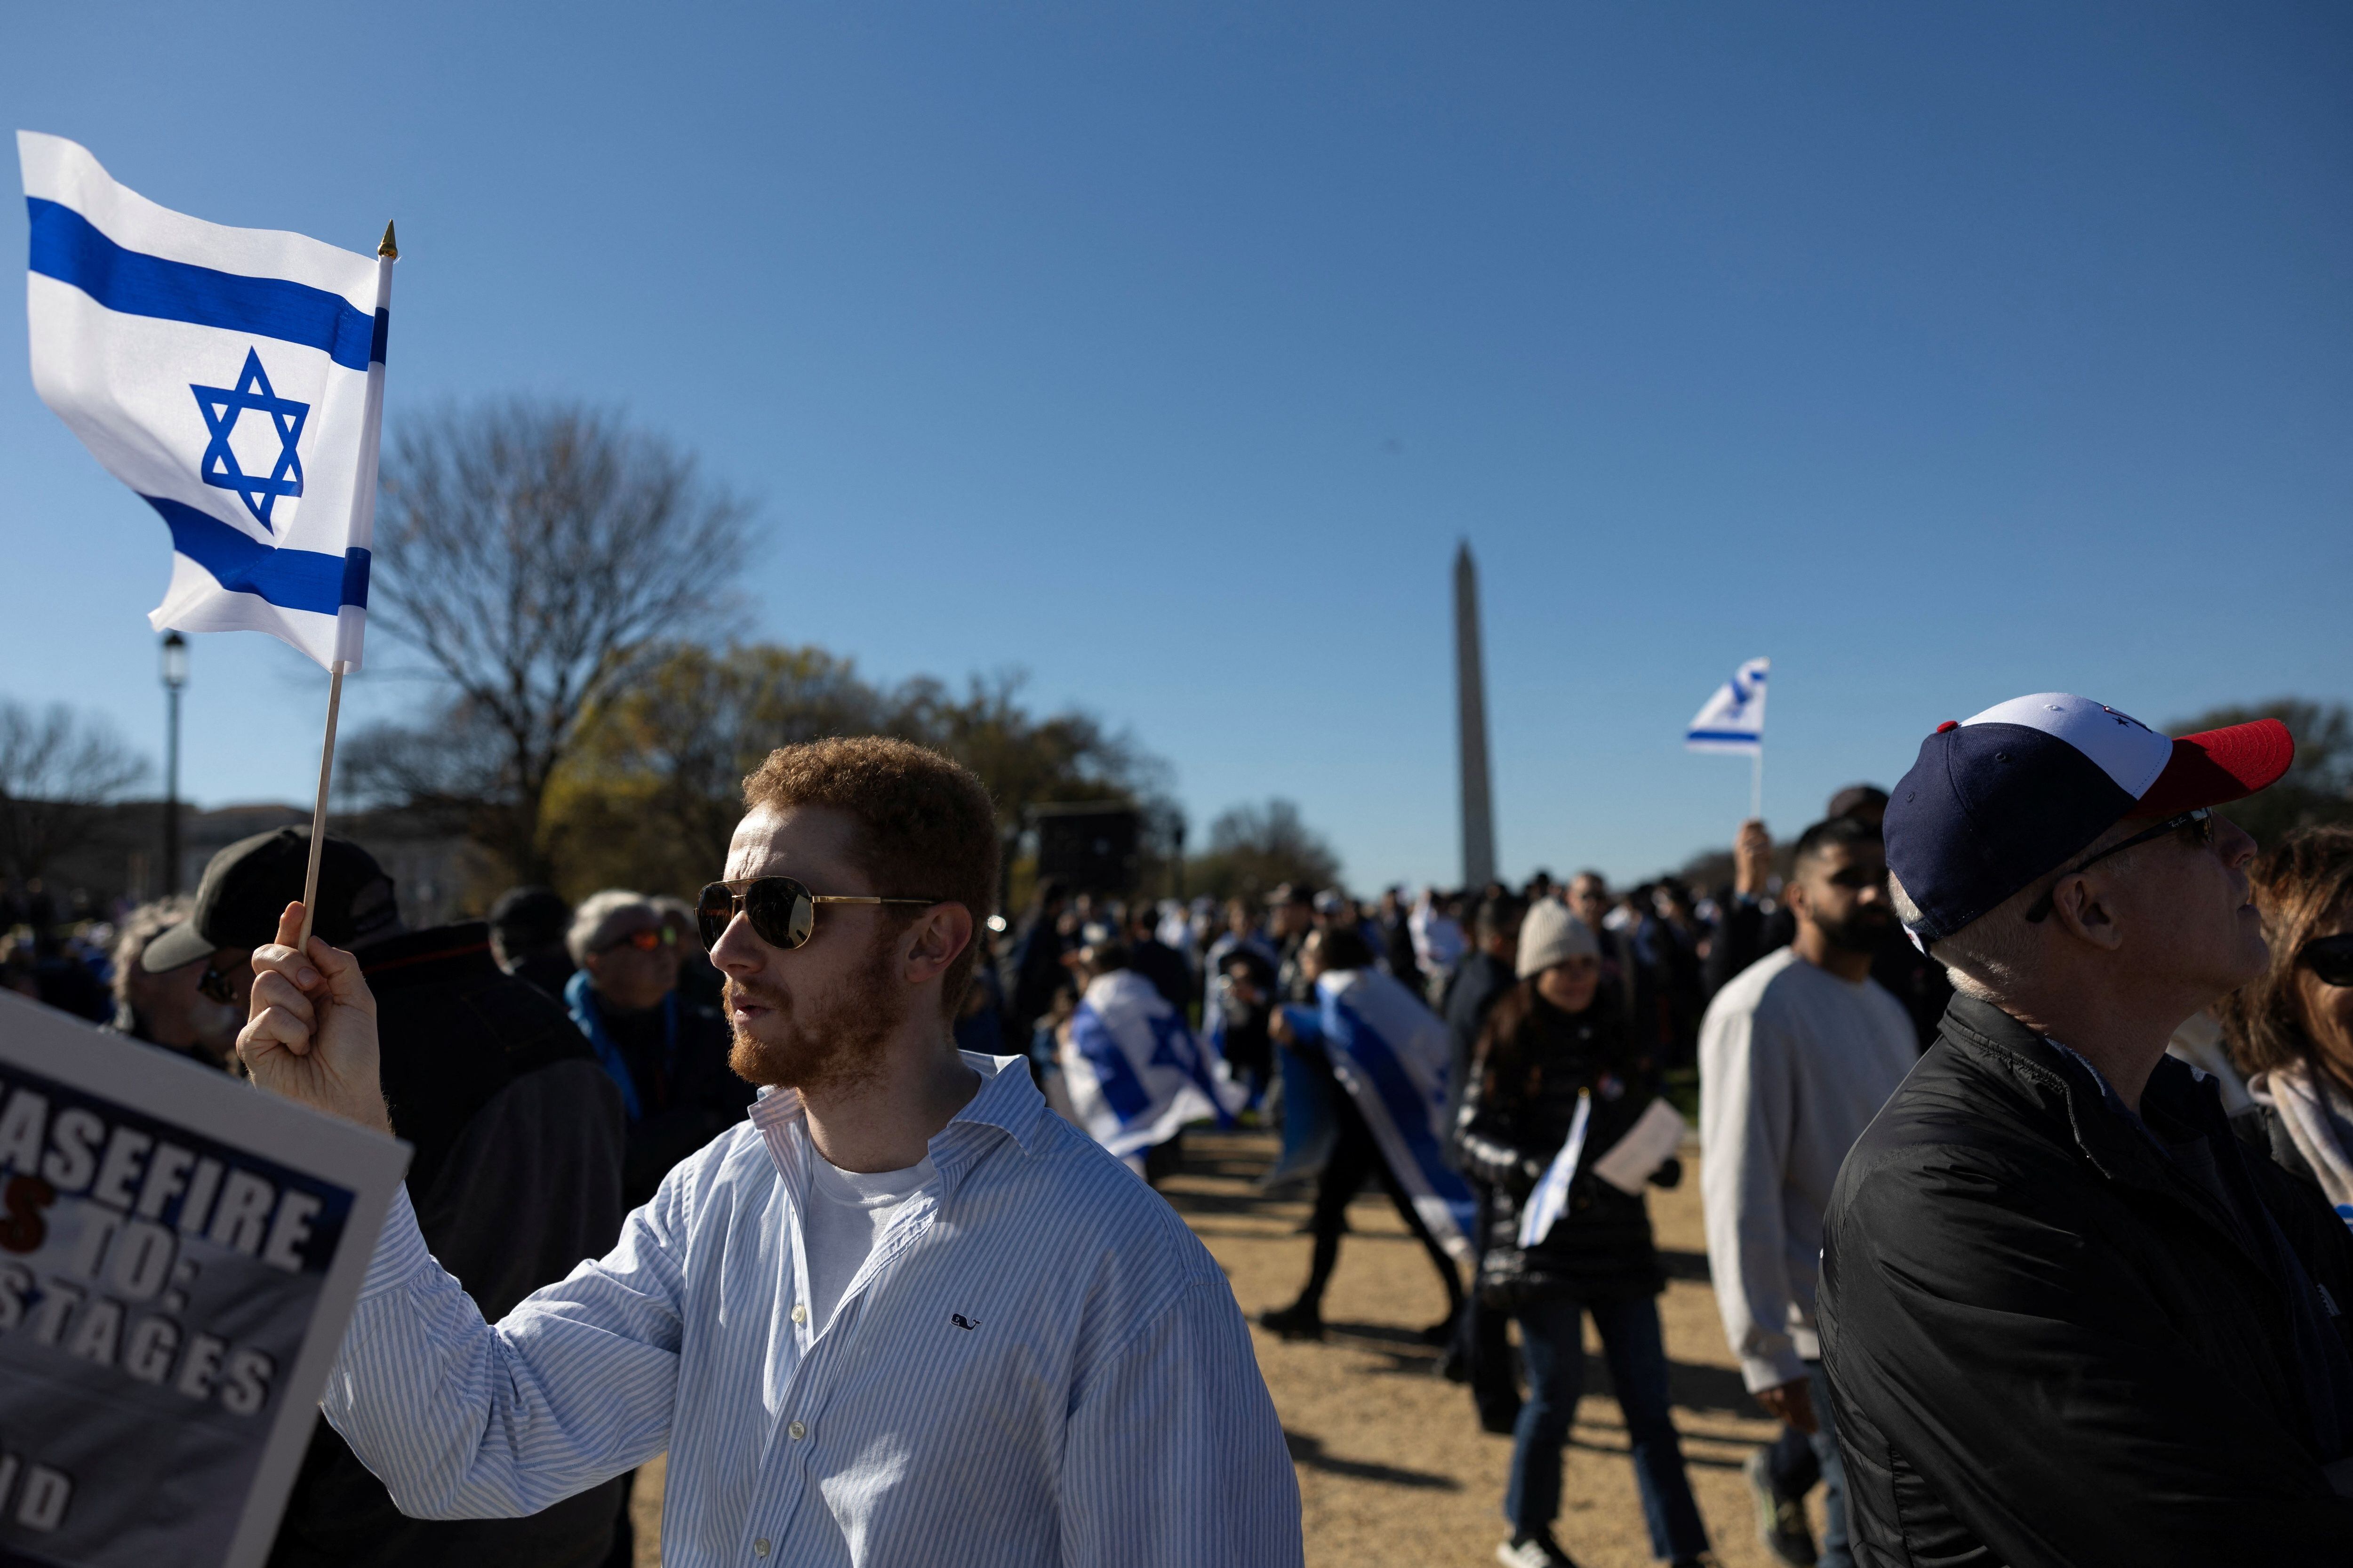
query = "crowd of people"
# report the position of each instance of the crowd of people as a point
(2025, 1106)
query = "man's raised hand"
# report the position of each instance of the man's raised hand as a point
(311, 1035)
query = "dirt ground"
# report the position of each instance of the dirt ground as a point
(1393, 1469)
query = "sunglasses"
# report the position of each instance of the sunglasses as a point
(653, 939)
(2330, 958)
(215, 982)
(782, 911)
(2201, 819)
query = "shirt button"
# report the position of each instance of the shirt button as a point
(797, 1431)
(800, 1313)
(759, 1547)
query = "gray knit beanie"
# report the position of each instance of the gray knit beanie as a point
(1551, 933)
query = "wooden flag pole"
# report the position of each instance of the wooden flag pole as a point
(319, 811)
(389, 249)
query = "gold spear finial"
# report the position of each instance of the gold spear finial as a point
(388, 247)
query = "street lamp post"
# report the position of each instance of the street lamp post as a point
(175, 676)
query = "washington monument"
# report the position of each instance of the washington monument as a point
(1471, 704)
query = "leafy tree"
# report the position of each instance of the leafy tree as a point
(2318, 785)
(531, 551)
(1027, 760)
(59, 773)
(1254, 848)
(655, 787)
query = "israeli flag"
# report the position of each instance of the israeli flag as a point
(1390, 1053)
(1550, 1199)
(1734, 719)
(1134, 1072)
(234, 378)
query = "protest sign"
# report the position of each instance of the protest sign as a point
(179, 1254)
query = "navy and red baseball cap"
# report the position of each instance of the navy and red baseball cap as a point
(1997, 801)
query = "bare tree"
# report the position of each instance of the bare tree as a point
(1253, 848)
(530, 550)
(57, 774)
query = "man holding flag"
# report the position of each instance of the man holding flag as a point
(905, 1315)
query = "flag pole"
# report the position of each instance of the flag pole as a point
(319, 810)
(1756, 782)
(387, 251)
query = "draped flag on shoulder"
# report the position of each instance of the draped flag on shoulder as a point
(1390, 1053)
(233, 378)
(1134, 1071)
(1734, 719)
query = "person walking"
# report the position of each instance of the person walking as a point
(2067, 1316)
(1796, 1055)
(1382, 1054)
(2291, 1031)
(905, 1316)
(1556, 1064)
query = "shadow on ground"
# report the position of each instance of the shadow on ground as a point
(1309, 1451)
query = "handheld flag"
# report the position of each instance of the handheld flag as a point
(1734, 719)
(1549, 1201)
(233, 378)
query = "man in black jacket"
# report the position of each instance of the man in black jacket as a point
(2066, 1319)
(516, 1168)
(1481, 1354)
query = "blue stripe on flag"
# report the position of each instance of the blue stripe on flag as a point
(1702, 734)
(68, 247)
(290, 579)
(1122, 1090)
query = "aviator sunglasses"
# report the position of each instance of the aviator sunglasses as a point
(2330, 958)
(782, 911)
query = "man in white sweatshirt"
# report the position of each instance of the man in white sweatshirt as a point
(1796, 1054)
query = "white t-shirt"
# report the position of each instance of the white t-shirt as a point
(1793, 1064)
(848, 1212)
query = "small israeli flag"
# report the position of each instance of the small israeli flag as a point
(1549, 1201)
(1734, 719)
(234, 378)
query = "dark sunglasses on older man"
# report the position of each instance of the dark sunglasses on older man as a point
(782, 911)
(217, 982)
(2199, 825)
(2330, 958)
(648, 939)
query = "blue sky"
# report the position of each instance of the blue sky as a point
(1942, 353)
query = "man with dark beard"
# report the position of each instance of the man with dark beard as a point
(1796, 1056)
(907, 1315)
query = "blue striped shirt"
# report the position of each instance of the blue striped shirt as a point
(1039, 1365)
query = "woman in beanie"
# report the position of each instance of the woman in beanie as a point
(1555, 1065)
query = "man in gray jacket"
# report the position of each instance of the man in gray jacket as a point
(1796, 1054)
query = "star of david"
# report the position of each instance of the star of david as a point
(222, 409)
(1171, 1045)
